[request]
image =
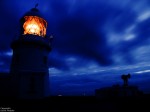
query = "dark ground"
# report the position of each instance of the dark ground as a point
(78, 104)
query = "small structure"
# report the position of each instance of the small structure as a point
(125, 79)
(119, 91)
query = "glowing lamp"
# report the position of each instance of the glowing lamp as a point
(34, 25)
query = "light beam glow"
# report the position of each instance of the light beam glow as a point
(35, 25)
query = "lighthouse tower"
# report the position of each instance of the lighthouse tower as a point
(29, 67)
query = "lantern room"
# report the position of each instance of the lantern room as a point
(33, 23)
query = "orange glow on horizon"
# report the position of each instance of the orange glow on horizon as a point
(35, 25)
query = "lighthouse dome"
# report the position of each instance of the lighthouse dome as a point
(34, 12)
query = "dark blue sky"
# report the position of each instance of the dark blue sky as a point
(95, 41)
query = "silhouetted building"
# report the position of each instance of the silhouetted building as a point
(119, 91)
(29, 75)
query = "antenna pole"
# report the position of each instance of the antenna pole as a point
(36, 5)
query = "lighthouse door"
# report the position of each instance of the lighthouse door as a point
(31, 85)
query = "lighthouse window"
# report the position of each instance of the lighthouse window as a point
(35, 25)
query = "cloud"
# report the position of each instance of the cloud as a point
(143, 71)
(5, 59)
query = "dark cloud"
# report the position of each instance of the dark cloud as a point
(83, 32)
(77, 38)
(57, 62)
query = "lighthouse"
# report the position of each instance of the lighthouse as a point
(29, 66)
